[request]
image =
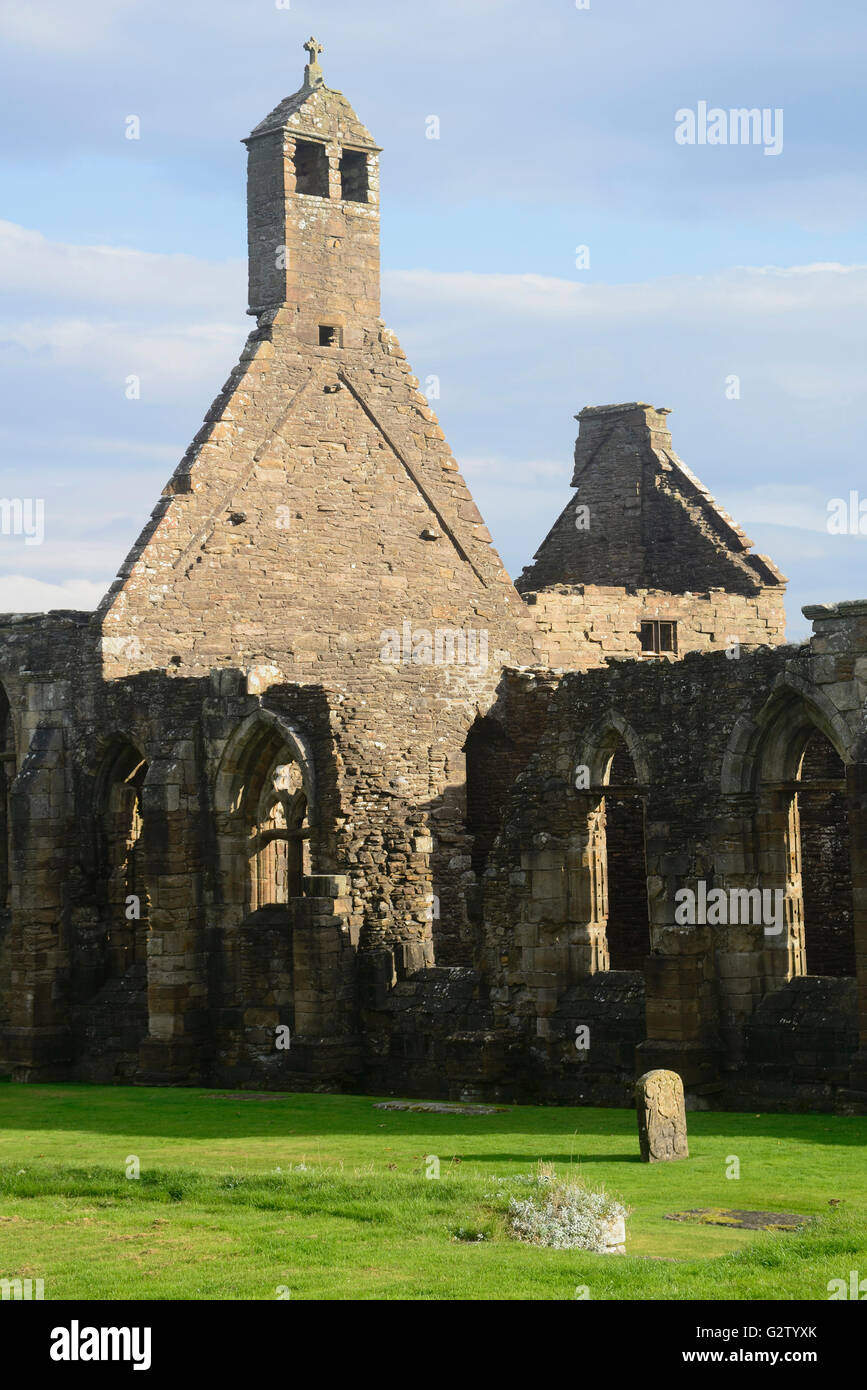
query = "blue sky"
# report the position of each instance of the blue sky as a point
(122, 257)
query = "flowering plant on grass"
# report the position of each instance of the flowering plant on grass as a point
(567, 1215)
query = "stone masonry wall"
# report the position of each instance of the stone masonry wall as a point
(717, 745)
(579, 627)
(644, 539)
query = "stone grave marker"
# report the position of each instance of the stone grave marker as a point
(661, 1116)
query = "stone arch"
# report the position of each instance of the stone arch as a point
(281, 859)
(265, 815)
(761, 744)
(599, 746)
(611, 844)
(241, 750)
(121, 892)
(110, 912)
(265, 806)
(762, 795)
(826, 860)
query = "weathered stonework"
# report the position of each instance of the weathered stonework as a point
(317, 798)
(581, 626)
(643, 539)
(661, 1117)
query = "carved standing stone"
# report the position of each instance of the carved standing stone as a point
(661, 1116)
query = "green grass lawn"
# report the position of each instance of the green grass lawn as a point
(326, 1197)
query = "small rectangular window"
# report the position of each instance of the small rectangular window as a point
(311, 169)
(353, 176)
(658, 636)
(329, 336)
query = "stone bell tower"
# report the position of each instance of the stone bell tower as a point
(313, 214)
(319, 505)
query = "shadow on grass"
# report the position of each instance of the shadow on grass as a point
(574, 1157)
(194, 1113)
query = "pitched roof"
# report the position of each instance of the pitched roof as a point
(626, 466)
(320, 112)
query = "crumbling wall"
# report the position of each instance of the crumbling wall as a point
(644, 539)
(43, 671)
(718, 746)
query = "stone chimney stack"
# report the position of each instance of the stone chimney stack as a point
(636, 420)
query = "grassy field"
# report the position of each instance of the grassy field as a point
(319, 1196)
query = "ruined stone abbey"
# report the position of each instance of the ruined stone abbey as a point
(319, 799)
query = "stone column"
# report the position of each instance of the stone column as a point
(176, 1046)
(324, 946)
(43, 827)
(587, 891)
(838, 667)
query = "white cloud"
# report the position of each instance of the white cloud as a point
(165, 357)
(63, 554)
(33, 266)
(22, 594)
(732, 295)
(531, 350)
(788, 505)
(598, 129)
(173, 321)
(176, 316)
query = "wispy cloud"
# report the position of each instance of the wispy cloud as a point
(537, 350)
(37, 269)
(21, 593)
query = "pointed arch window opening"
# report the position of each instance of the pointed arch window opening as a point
(280, 838)
(619, 867)
(820, 835)
(805, 846)
(121, 868)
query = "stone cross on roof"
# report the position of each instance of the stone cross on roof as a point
(313, 74)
